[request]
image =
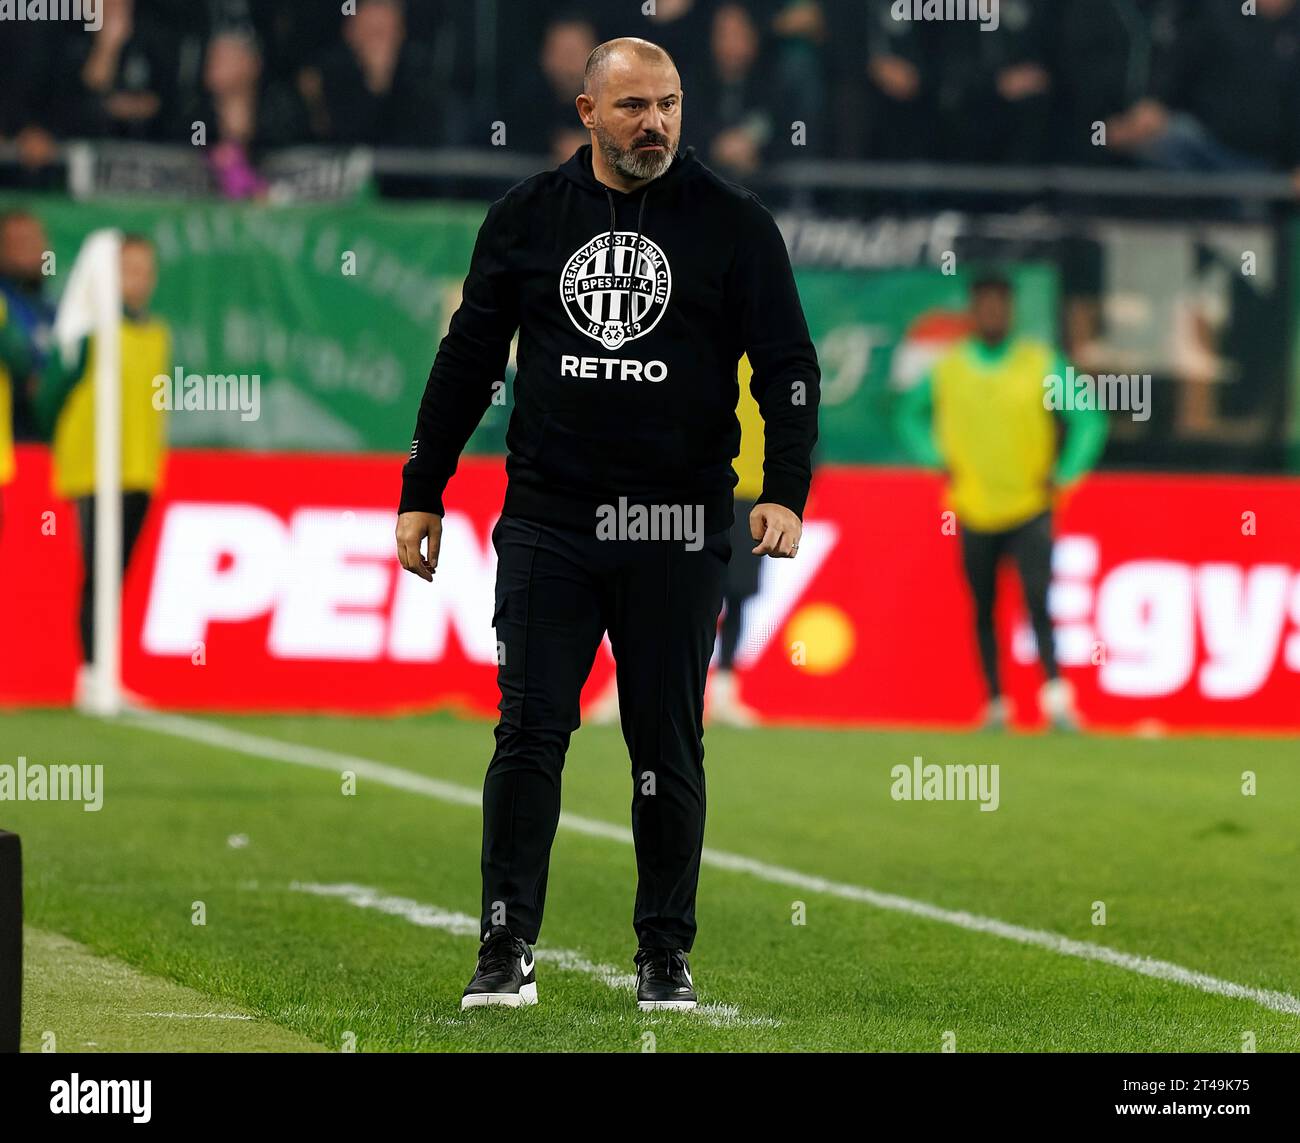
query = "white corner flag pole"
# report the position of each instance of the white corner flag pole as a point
(92, 304)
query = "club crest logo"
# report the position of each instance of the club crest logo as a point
(602, 277)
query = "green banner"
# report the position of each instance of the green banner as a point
(339, 311)
(876, 331)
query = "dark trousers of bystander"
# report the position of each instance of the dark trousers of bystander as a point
(1030, 546)
(135, 505)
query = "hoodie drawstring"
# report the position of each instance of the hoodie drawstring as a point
(636, 249)
(636, 256)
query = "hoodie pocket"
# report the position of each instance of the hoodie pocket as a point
(631, 453)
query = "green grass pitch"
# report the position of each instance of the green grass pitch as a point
(337, 920)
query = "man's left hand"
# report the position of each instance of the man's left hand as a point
(776, 529)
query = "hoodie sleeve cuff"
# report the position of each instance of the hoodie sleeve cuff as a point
(418, 496)
(790, 494)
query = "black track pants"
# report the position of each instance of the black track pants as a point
(557, 593)
(1030, 545)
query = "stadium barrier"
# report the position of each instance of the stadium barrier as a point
(269, 582)
(107, 166)
(337, 310)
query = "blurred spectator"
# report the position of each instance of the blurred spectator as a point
(565, 142)
(723, 700)
(1109, 57)
(29, 318)
(66, 403)
(798, 32)
(124, 83)
(243, 111)
(995, 94)
(903, 66)
(681, 28)
(1231, 100)
(1180, 84)
(377, 86)
(733, 119)
(17, 364)
(545, 106)
(292, 36)
(15, 369)
(452, 32)
(29, 64)
(846, 81)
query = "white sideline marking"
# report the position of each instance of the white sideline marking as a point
(276, 750)
(198, 1015)
(566, 960)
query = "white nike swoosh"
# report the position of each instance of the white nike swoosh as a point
(526, 966)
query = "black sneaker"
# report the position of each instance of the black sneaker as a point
(505, 974)
(663, 980)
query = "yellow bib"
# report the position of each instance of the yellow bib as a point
(146, 353)
(749, 464)
(6, 412)
(6, 428)
(997, 437)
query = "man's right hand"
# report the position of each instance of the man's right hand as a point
(412, 527)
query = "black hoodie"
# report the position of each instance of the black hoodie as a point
(605, 407)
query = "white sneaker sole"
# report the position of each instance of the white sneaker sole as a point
(665, 1005)
(527, 994)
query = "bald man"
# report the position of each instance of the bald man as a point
(636, 278)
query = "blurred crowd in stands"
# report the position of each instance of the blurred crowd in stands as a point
(1179, 84)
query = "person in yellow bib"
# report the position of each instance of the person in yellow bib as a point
(16, 364)
(985, 416)
(723, 703)
(65, 404)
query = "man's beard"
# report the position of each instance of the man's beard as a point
(634, 164)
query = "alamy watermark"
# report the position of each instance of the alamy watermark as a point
(77, 1096)
(931, 782)
(209, 393)
(1107, 392)
(35, 782)
(683, 523)
(982, 12)
(88, 13)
